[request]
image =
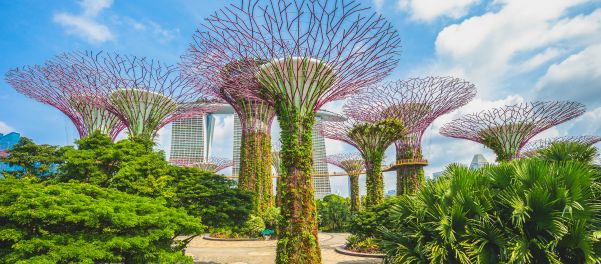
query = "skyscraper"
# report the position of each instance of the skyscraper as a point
(191, 139)
(478, 161)
(237, 142)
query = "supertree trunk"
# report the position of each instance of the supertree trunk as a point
(375, 179)
(298, 242)
(409, 179)
(355, 195)
(255, 168)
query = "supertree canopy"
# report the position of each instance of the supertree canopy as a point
(353, 165)
(507, 129)
(144, 93)
(256, 116)
(371, 139)
(55, 84)
(213, 164)
(533, 146)
(318, 51)
(417, 102)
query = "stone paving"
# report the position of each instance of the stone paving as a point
(261, 252)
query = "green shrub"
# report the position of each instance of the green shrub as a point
(83, 223)
(334, 213)
(366, 222)
(362, 244)
(527, 211)
(272, 218)
(212, 197)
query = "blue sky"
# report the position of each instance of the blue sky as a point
(513, 50)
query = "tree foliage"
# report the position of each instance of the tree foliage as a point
(333, 213)
(83, 223)
(211, 197)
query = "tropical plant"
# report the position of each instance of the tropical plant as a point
(333, 213)
(83, 223)
(527, 211)
(564, 151)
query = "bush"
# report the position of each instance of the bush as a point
(527, 211)
(272, 218)
(334, 213)
(365, 223)
(212, 197)
(362, 244)
(69, 222)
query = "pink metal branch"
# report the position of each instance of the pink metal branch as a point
(349, 162)
(512, 126)
(359, 46)
(214, 164)
(33, 81)
(140, 84)
(416, 101)
(535, 145)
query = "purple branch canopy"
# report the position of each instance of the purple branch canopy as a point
(533, 146)
(214, 164)
(507, 129)
(62, 85)
(417, 102)
(316, 51)
(144, 93)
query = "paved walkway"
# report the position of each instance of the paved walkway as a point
(261, 252)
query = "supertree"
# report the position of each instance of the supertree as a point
(48, 85)
(144, 93)
(255, 114)
(532, 147)
(417, 102)
(506, 130)
(213, 164)
(371, 139)
(353, 165)
(318, 51)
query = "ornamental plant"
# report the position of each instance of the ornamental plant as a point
(83, 223)
(371, 140)
(506, 130)
(526, 211)
(316, 52)
(417, 102)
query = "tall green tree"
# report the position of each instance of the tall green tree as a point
(334, 213)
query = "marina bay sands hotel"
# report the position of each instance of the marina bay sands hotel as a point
(191, 139)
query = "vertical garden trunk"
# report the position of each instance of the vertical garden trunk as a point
(298, 242)
(355, 196)
(255, 168)
(375, 181)
(409, 179)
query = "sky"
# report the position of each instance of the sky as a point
(512, 50)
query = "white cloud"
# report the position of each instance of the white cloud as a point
(429, 10)
(85, 24)
(495, 47)
(5, 128)
(580, 74)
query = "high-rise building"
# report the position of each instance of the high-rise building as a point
(478, 161)
(191, 139)
(237, 142)
(7, 142)
(321, 185)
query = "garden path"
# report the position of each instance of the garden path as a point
(262, 252)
